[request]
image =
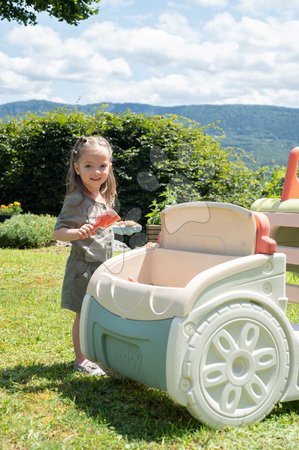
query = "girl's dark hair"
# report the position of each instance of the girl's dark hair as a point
(74, 182)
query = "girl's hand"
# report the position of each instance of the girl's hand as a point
(85, 231)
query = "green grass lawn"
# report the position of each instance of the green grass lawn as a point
(44, 405)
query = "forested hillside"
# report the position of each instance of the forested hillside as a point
(266, 132)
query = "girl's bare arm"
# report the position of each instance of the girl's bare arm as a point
(73, 234)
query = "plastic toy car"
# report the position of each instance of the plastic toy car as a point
(205, 319)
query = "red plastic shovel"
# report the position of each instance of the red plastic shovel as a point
(107, 218)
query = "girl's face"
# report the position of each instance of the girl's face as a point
(93, 167)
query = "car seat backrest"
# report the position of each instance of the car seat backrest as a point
(211, 227)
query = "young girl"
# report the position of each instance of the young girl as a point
(91, 189)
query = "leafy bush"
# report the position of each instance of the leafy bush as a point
(168, 197)
(274, 183)
(34, 157)
(27, 231)
(151, 154)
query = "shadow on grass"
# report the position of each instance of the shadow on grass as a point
(134, 410)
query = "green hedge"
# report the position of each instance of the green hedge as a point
(150, 155)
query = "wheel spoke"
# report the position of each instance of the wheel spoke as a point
(256, 389)
(230, 398)
(249, 336)
(213, 375)
(224, 343)
(265, 358)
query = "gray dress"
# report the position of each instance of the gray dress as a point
(86, 254)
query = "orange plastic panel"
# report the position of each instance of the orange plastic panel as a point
(291, 182)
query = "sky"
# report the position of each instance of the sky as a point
(176, 52)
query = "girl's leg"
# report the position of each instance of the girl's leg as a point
(76, 340)
(82, 364)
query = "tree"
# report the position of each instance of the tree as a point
(25, 11)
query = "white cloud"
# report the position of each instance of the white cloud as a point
(209, 3)
(225, 44)
(115, 3)
(15, 86)
(38, 39)
(160, 48)
(46, 58)
(280, 7)
(146, 44)
(58, 100)
(226, 59)
(177, 24)
(197, 88)
(13, 80)
(46, 55)
(247, 62)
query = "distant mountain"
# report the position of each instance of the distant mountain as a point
(266, 132)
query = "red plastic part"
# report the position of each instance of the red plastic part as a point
(106, 219)
(291, 182)
(264, 243)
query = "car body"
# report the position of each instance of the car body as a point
(202, 315)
